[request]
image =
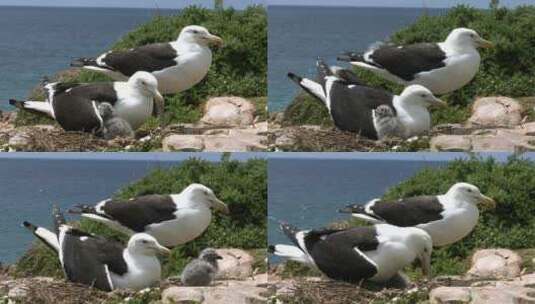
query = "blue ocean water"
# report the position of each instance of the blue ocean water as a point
(31, 183)
(298, 35)
(35, 42)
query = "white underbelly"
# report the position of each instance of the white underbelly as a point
(180, 78)
(451, 77)
(179, 231)
(139, 280)
(390, 259)
(451, 230)
(135, 114)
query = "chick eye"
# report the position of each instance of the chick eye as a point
(423, 95)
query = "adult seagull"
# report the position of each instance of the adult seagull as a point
(441, 67)
(351, 104)
(172, 219)
(446, 217)
(102, 263)
(75, 106)
(376, 253)
(178, 65)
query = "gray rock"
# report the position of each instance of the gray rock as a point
(450, 295)
(183, 143)
(495, 264)
(451, 143)
(228, 111)
(235, 264)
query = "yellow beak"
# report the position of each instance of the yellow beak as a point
(484, 43)
(216, 40)
(159, 103)
(220, 206)
(487, 202)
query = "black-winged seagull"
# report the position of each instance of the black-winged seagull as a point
(446, 217)
(178, 65)
(172, 219)
(441, 67)
(376, 253)
(103, 263)
(351, 105)
(75, 106)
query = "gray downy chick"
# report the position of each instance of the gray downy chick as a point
(201, 271)
(386, 123)
(114, 126)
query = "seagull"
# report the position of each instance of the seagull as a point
(448, 217)
(376, 253)
(173, 219)
(75, 106)
(178, 65)
(441, 67)
(99, 262)
(351, 104)
(201, 271)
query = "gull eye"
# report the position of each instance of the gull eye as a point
(423, 95)
(144, 241)
(470, 190)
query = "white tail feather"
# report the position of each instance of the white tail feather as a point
(40, 106)
(49, 237)
(292, 253)
(314, 88)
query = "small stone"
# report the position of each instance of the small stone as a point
(495, 264)
(451, 143)
(182, 295)
(19, 141)
(444, 295)
(183, 143)
(496, 112)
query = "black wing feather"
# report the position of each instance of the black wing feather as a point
(148, 58)
(409, 60)
(141, 211)
(334, 253)
(409, 211)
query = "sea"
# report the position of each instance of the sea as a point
(299, 35)
(31, 183)
(306, 190)
(40, 41)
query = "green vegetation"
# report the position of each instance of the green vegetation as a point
(239, 68)
(242, 185)
(505, 70)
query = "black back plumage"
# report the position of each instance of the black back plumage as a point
(85, 257)
(73, 105)
(352, 105)
(333, 252)
(141, 211)
(148, 58)
(407, 61)
(409, 211)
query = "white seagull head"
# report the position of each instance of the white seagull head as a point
(201, 194)
(422, 244)
(470, 194)
(199, 35)
(147, 84)
(419, 95)
(146, 245)
(464, 38)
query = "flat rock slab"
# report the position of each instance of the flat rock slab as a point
(229, 292)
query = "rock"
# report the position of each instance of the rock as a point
(182, 295)
(503, 140)
(228, 111)
(237, 140)
(19, 141)
(528, 128)
(495, 264)
(496, 112)
(452, 295)
(502, 295)
(451, 143)
(236, 264)
(233, 292)
(183, 143)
